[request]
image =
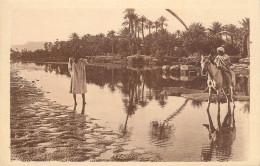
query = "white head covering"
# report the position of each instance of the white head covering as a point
(221, 49)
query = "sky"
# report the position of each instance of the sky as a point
(51, 23)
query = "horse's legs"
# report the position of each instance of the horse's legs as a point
(210, 95)
(218, 117)
(232, 95)
(233, 116)
(206, 89)
(218, 94)
(225, 94)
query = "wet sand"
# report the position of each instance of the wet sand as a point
(42, 130)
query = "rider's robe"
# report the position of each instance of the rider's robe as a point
(223, 62)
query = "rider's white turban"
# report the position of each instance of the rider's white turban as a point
(221, 49)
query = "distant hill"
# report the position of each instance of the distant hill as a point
(29, 46)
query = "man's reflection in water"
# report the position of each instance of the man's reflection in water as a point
(83, 109)
(75, 108)
(221, 138)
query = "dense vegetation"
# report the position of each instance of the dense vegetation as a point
(158, 42)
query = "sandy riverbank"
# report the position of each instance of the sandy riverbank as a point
(43, 130)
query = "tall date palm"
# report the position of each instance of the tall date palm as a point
(216, 29)
(142, 21)
(111, 36)
(230, 30)
(156, 25)
(162, 20)
(246, 36)
(129, 16)
(149, 25)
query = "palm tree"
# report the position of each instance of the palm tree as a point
(156, 25)
(216, 29)
(74, 36)
(230, 30)
(246, 36)
(50, 46)
(138, 30)
(214, 36)
(239, 40)
(194, 38)
(142, 21)
(162, 21)
(57, 44)
(129, 16)
(178, 33)
(136, 21)
(75, 43)
(149, 25)
(111, 35)
(102, 44)
(46, 46)
(101, 35)
(197, 31)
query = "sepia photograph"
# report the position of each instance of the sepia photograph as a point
(95, 82)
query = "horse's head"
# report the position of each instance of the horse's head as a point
(205, 62)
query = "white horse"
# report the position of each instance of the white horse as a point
(215, 79)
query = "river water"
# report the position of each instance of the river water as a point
(130, 101)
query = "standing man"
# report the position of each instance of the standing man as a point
(78, 85)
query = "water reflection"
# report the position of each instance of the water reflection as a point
(221, 137)
(83, 109)
(151, 79)
(126, 132)
(242, 85)
(196, 103)
(178, 111)
(57, 68)
(140, 85)
(132, 97)
(146, 116)
(162, 132)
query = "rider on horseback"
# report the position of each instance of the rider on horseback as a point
(223, 63)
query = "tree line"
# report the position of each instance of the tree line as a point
(130, 39)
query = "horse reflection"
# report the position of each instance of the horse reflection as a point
(222, 137)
